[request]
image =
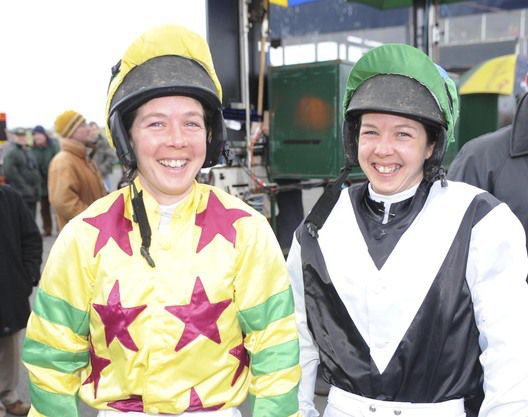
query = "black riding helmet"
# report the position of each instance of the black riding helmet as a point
(401, 80)
(169, 60)
(401, 96)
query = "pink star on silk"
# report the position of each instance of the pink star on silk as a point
(98, 364)
(117, 318)
(196, 403)
(241, 354)
(217, 220)
(112, 224)
(134, 403)
(200, 316)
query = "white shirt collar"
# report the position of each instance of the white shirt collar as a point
(387, 200)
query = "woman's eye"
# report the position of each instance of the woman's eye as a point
(367, 132)
(192, 123)
(155, 124)
(404, 134)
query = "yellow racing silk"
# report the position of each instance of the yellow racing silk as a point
(209, 325)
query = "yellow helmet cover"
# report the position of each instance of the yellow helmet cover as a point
(166, 60)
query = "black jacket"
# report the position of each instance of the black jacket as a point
(498, 162)
(20, 259)
(21, 172)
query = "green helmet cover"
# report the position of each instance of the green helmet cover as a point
(405, 60)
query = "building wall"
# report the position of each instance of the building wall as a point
(459, 41)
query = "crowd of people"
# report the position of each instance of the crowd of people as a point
(407, 293)
(62, 177)
(80, 173)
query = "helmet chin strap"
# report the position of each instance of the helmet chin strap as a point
(322, 208)
(140, 217)
(439, 174)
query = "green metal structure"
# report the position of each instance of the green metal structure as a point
(305, 103)
(478, 115)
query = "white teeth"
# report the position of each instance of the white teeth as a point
(386, 169)
(173, 163)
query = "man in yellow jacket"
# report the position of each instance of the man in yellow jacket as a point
(166, 296)
(74, 181)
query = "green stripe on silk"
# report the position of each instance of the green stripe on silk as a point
(275, 358)
(58, 311)
(53, 405)
(39, 354)
(277, 406)
(275, 308)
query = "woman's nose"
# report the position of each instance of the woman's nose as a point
(384, 146)
(176, 137)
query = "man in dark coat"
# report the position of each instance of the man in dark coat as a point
(20, 259)
(498, 162)
(44, 148)
(21, 170)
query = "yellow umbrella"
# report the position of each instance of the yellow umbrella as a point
(501, 75)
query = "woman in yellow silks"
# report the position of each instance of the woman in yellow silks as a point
(166, 296)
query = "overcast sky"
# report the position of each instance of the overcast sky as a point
(57, 54)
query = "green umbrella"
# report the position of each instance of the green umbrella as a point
(424, 5)
(394, 4)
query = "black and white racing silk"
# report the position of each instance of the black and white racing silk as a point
(418, 309)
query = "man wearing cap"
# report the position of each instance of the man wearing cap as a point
(21, 171)
(44, 149)
(73, 180)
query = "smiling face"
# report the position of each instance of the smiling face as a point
(169, 140)
(392, 151)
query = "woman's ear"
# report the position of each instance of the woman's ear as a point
(430, 149)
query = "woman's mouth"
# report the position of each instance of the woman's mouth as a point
(386, 169)
(173, 163)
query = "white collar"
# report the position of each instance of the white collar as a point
(387, 200)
